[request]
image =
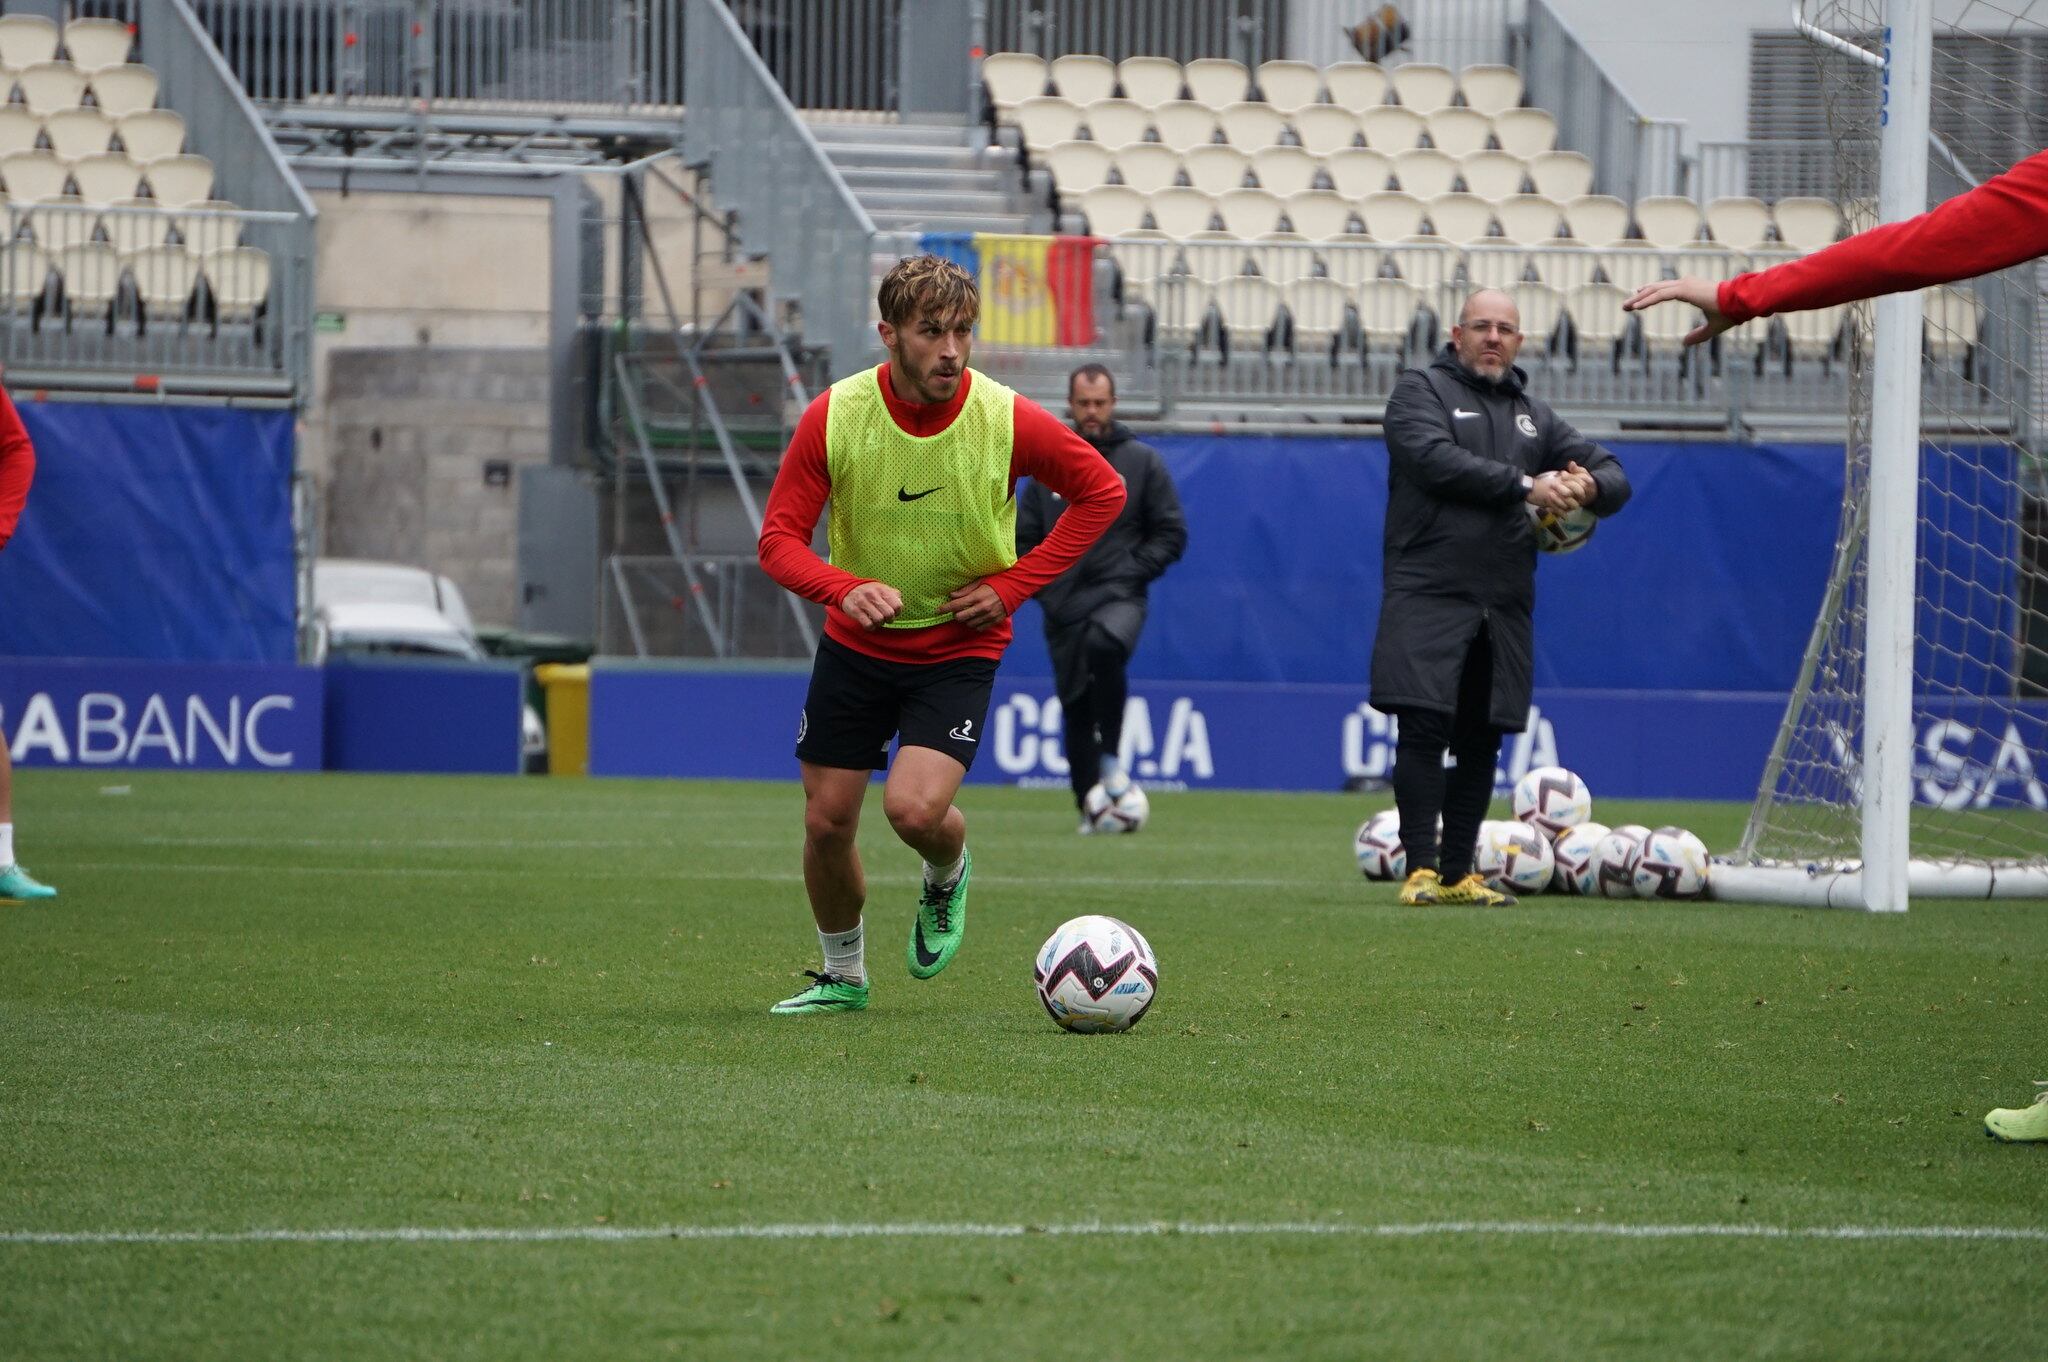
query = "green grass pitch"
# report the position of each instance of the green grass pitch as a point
(339, 1003)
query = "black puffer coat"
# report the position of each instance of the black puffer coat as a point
(1459, 551)
(1110, 583)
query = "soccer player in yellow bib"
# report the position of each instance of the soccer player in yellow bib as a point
(919, 458)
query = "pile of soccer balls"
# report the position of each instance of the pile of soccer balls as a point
(1553, 844)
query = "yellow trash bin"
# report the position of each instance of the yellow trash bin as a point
(568, 691)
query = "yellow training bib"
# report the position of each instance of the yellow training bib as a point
(926, 514)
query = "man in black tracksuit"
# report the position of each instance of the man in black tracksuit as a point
(1094, 610)
(1469, 450)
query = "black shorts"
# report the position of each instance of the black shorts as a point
(856, 703)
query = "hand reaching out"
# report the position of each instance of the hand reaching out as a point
(1703, 294)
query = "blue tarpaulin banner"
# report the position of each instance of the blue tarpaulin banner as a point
(110, 714)
(153, 532)
(1708, 580)
(421, 715)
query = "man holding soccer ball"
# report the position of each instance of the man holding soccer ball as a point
(919, 459)
(1094, 611)
(1470, 454)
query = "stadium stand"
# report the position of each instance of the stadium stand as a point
(1216, 167)
(1083, 78)
(1150, 81)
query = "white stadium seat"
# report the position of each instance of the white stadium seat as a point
(165, 279)
(1597, 218)
(1423, 86)
(78, 132)
(1149, 81)
(1251, 125)
(1318, 307)
(1561, 175)
(1596, 315)
(1217, 81)
(95, 44)
(1046, 119)
(1528, 218)
(1668, 219)
(1458, 132)
(1182, 212)
(180, 181)
(1248, 305)
(1356, 85)
(1113, 209)
(1739, 222)
(1391, 215)
(1217, 166)
(1249, 212)
(1491, 89)
(1290, 85)
(106, 178)
(26, 39)
(1285, 170)
(1461, 218)
(1116, 121)
(92, 277)
(1493, 175)
(124, 90)
(239, 279)
(1078, 166)
(1386, 313)
(1358, 171)
(1319, 214)
(1013, 77)
(1525, 132)
(1148, 167)
(1391, 128)
(49, 86)
(1325, 129)
(1083, 78)
(1184, 125)
(1425, 173)
(1807, 224)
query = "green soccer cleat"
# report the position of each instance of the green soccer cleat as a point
(827, 993)
(940, 923)
(1475, 891)
(18, 886)
(2017, 1124)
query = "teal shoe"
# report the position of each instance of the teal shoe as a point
(940, 924)
(827, 993)
(18, 886)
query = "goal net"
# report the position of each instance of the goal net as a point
(1978, 814)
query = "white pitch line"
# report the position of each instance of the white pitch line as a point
(419, 1234)
(714, 876)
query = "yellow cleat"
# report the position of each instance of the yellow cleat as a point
(1475, 891)
(1421, 887)
(2014, 1124)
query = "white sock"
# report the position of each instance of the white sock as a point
(1114, 781)
(845, 954)
(6, 844)
(938, 878)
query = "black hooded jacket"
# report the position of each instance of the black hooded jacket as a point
(1149, 535)
(1459, 550)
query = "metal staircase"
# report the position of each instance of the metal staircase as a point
(924, 177)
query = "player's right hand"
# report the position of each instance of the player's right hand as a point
(872, 604)
(1704, 294)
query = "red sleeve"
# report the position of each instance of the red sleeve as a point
(1045, 449)
(17, 467)
(1999, 223)
(795, 502)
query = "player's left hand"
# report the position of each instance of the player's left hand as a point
(977, 606)
(1704, 294)
(1584, 489)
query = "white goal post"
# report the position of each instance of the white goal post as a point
(1882, 785)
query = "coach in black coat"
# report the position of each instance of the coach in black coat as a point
(1469, 453)
(1094, 610)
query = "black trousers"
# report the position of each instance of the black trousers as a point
(1090, 663)
(1423, 788)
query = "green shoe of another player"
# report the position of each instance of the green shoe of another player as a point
(827, 993)
(2014, 1124)
(940, 923)
(18, 886)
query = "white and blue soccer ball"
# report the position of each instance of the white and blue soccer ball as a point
(1552, 799)
(1125, 813)
(1378, 846)
(1096, 974)
(1614, 863)
(1671, 865)
(1575, 850)
(1514, 856)
(1562, 533)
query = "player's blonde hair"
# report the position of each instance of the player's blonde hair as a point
(928, 286)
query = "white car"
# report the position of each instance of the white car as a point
(388, 609)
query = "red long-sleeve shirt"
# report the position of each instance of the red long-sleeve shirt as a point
(17, 467)
(1042, 448)
(1999, 223)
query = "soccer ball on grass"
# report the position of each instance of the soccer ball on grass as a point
(1096, 974)
(1575, 850)
(1378, 845)
(1515, 857)
(1614, 864)
(1673, 865)
(1553, 799)
(1126, 813)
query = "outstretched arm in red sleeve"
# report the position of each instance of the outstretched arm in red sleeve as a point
(2000, 223)
(17, 467)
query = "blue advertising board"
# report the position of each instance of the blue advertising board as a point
(103, 713)
(1199, 734)
(421, 715)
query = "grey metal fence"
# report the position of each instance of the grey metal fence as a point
(1771, 170)
(1632, 156)
(767, 167)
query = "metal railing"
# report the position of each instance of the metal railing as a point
(791, 203)
(613, 55)
(171, 300)
(1633, 156)
(1771, 170)
(1197, 339)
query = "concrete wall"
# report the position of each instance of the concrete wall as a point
(423, 448)
(1684, 59)
(440, 365)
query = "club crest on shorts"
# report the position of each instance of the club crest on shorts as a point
(803, 723)
(1526, 424)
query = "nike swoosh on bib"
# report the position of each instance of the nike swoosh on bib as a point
(905, 494)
